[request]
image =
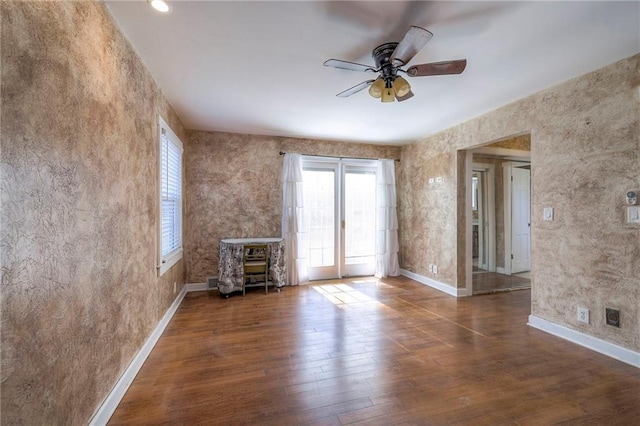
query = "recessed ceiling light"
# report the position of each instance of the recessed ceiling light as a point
(160, 5)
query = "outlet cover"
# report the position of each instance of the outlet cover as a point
(612, 317)
(633, 214)
(583, 315)
(435, 269)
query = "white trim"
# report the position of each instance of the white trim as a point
(445, 288)
(196, 287)
(468, 214)
(506, 188)
(602, 346)
(170, 260)
(500, 270)
(110, 403)
(490, 207)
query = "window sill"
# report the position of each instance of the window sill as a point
(169, 261)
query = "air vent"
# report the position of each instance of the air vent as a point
(212, 283)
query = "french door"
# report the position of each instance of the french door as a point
(340, 198)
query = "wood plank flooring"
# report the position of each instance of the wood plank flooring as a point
(491, 282)
(369, 352)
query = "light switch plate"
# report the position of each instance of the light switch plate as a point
(633, 214)
(548, 214)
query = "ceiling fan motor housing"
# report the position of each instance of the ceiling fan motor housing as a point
(382, 57)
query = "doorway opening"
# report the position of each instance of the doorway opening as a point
(498, 177)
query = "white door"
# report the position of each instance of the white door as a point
(520, 220)
(341, 202)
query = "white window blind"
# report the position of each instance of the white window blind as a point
(170, 197)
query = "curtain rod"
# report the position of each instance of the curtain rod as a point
(342, 158)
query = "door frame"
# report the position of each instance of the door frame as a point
(508, 187)
(470, 165)
(489, 214)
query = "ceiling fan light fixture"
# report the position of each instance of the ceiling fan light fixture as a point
(387, 95)
(401, 86)
(160, 5)
(377, 88)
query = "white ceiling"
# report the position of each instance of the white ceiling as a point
(256, 67)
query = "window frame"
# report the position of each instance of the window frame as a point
(170, 259)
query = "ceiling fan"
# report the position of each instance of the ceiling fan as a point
(389, 59)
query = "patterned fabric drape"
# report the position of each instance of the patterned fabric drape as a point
(231, 269)
(294, 229)
(386, 221)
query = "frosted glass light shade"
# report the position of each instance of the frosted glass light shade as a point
(377, 87)
(387, 95)
(401, 86)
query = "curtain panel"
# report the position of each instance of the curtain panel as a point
(294, 223)
(386, 221)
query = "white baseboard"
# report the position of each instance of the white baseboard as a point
(445, 288)
(602, 346)
(110, 403)
(196, 287)
(500, 270)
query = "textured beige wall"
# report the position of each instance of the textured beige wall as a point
(235, 189)
(79, 168)
(585, 153)
(520, 143)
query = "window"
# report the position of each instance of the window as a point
(170, 227)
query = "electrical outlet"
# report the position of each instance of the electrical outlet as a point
(583, 315)
(435, 269)
(612, 317)
(175, 287)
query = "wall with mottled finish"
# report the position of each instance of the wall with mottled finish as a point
(235, 189)
(585, 154)
(520, 143)
(80, 293)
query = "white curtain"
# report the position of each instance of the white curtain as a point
(294, 225)
(386, 221)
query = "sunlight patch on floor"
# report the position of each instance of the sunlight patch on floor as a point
(343, 294)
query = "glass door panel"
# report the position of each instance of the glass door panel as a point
(359, 222)
(320, 202)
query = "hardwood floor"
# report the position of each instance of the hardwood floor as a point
(491, 282)
(372, 352)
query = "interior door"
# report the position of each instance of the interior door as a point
(520, 220)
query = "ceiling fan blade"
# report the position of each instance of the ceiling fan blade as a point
(438, 68)
(351, 66)
(405, 97)
(355, 89)
(413, 41)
